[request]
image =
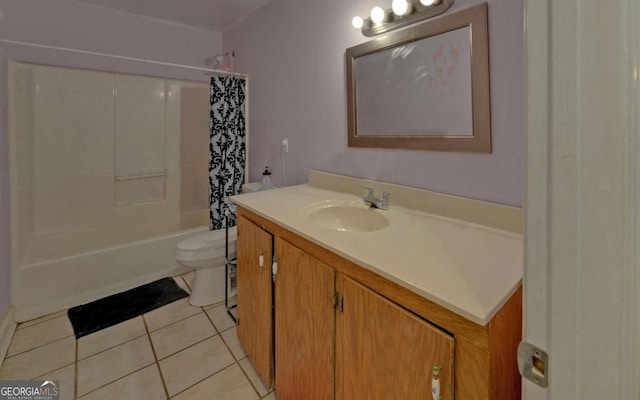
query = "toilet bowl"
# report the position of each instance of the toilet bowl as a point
(205, 253)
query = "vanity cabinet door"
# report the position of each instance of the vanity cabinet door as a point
(254, 294)
(385, 352)
(305, 325)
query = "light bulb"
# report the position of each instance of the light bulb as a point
(377, 15)
(429, 2)
(357, 22)
(400, 7)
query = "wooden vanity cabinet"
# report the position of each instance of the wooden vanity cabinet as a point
(254, 293)
(344, 332)
(383, 351)
(304, 325)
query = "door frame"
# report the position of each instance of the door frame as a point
(582, 270)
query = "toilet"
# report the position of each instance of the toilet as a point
(205, 253)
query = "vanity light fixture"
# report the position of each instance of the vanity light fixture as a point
(402, 13)
(401, 7)
(378, 15)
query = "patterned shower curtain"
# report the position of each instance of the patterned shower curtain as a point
(227, 151)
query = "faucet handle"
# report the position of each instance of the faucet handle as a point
(369, 192)
(385, 199)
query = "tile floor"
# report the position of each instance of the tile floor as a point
(177, 351)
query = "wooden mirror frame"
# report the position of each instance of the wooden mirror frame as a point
(480, 141)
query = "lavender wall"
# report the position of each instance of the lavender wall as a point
(69, 24)
(66, 23)
(293, 51)
(5, 266)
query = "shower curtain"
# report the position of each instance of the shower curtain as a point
(227, 151)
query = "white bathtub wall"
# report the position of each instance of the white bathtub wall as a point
(98, 166)
(22, 119)
(140, 126)
(72, 147)
(90, 165)
(194, 153)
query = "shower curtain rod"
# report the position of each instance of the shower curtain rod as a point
(94, 53)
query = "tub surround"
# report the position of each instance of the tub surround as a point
(108, 216)
(43, 288)
(462, 254)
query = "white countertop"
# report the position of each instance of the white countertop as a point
(467, 268)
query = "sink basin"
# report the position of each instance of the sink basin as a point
(349, 218)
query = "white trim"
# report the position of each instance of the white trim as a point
(536, 216)
(630, 360)
(582, 268)
(13, 177)
(7, 328)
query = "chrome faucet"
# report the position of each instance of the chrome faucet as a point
(381, 203)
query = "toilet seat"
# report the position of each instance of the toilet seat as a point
(205, 245)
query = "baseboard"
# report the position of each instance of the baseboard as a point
(7, 328)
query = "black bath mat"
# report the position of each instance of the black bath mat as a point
(92, 317)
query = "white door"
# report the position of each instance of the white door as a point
(582, 281)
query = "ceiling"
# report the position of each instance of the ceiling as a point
(215, 15)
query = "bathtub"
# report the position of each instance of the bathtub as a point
(45, 287)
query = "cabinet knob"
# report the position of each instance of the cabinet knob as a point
(435, 382)
(274, 268)
(261, 260)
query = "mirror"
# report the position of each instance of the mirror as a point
(424, 88)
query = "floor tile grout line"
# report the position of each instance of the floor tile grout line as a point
(185, 281)
(77, 359)
(112, 347)
(37, 347)
(213, 305)
(223, 340)
(147, 331)
(229, 348)
(130, 373)
(50, 371)
(155, 357)
(176, 321)
(118, 379)
(207, 377)
(237, 360)
(189, 346)
(44, 344)
(214, 325)
(246, 375)
(19, 327)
